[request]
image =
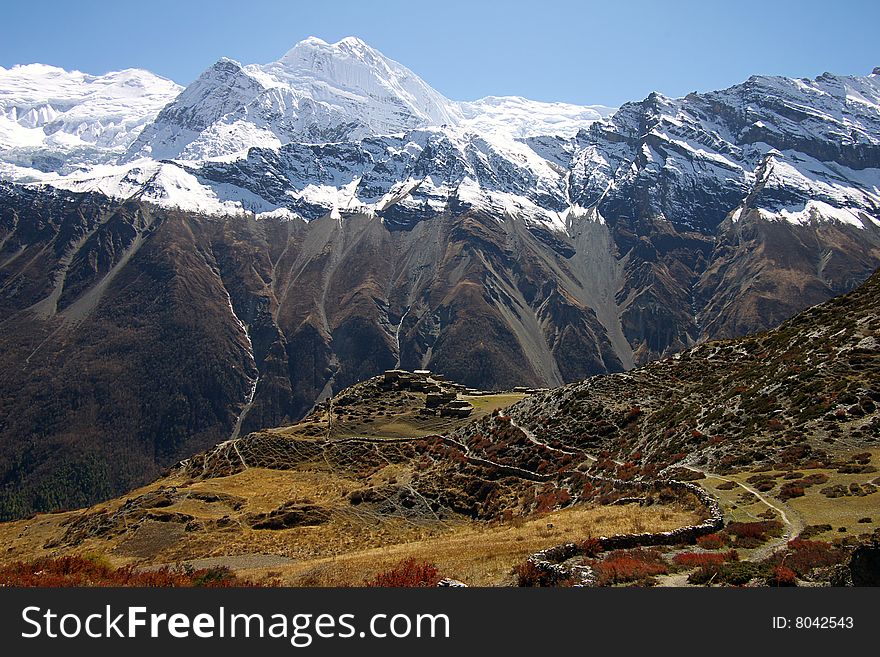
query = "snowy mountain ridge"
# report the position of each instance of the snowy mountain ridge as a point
(52, 119)
(336, 128)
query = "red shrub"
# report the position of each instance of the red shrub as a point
(700, 559)
(407, 574)
(529, 575)
(629, 566)
(791, 489)
(550, 499)
(782, 576)
(591, 547)
(754, 530)
(802, 556)
(605, 464)
(627, 471)
(712, 541)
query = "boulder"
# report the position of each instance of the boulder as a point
(865, 565)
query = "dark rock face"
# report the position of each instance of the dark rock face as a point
(289, 515)
(119, 353)
(864, 566)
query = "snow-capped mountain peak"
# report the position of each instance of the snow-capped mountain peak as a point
(320, 92)
(316, 56)
(316, 92)
(350, 66)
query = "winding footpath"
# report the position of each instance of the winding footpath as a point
(528, 434)
(794, 525)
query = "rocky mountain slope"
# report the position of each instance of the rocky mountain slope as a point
(797, 395)
(683, 219)
(329, 215)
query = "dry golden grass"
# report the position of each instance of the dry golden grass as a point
(484, 404)
(355, 544)
(349, 547)
(480, 554)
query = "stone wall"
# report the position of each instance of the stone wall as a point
(553, 559)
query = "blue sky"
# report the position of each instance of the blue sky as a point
(581, 52)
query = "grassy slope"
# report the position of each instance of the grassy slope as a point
(355, 542)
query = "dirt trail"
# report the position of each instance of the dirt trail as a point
(794, 524)
(528, 434)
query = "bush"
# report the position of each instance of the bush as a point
(591, 547)
(740, 573)
(407, 574)
(758, 530)
(753, 534)
(736, 574)
(530, 575)
(548, 500)
(782, 576)
(812, 530)
(802, 556)
(714, 541)
(700, 559)
(629, 566)
(790, 490)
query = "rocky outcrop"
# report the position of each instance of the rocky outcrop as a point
(864, 566)
(289, 515)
